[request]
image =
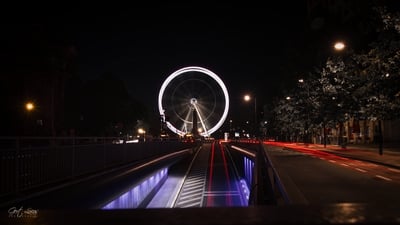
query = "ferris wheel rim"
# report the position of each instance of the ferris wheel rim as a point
(204, 71)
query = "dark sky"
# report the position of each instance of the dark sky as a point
(245, 46)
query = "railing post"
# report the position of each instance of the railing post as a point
(16, 158)
(104, 152)
(125, 158)
(73, 157)
(262, 190)
(253, 198)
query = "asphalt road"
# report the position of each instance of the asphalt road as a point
(323, 178)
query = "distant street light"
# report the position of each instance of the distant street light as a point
(29, 106)
(339, 46)
(143, 132)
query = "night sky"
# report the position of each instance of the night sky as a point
(255, 49)
(249, 48)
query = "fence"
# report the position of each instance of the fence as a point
(266, 187)
(29, 162)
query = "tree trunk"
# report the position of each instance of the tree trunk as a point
(52, 108)
(340, 134)
(364, 132)
(324, 135)
(380, 137)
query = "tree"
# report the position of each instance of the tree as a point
(287, 115)
(380, 67)
(339, 99)
(108, 109)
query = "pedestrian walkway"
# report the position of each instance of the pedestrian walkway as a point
(365, 152)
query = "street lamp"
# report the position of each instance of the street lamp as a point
(143, 132)
(339, 46)
(306, 137)
(247, 98)
(29, 106)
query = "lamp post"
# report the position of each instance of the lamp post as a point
(340, 46)
(28, 125)
(141, 131)
(306, 134)
(247, 98)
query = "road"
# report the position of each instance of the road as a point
(210, 180)
(324, 178)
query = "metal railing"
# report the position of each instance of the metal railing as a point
(30, 162)
(266, 187)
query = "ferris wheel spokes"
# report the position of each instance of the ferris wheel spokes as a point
(209, 95)
(184, 125)
(205, 133)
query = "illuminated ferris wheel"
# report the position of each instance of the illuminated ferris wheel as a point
(195, 101)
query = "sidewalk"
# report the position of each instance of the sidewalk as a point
(390, 155)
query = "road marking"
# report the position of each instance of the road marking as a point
(361, 170)
(382, 177)
(344, 164)
(194, 201)
(394, 170)
(332, 161)
(189, 195)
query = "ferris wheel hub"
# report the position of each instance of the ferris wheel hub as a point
(193, 101)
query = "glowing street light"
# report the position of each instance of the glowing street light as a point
(29, 106)
(141, 131)
(339, 46)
